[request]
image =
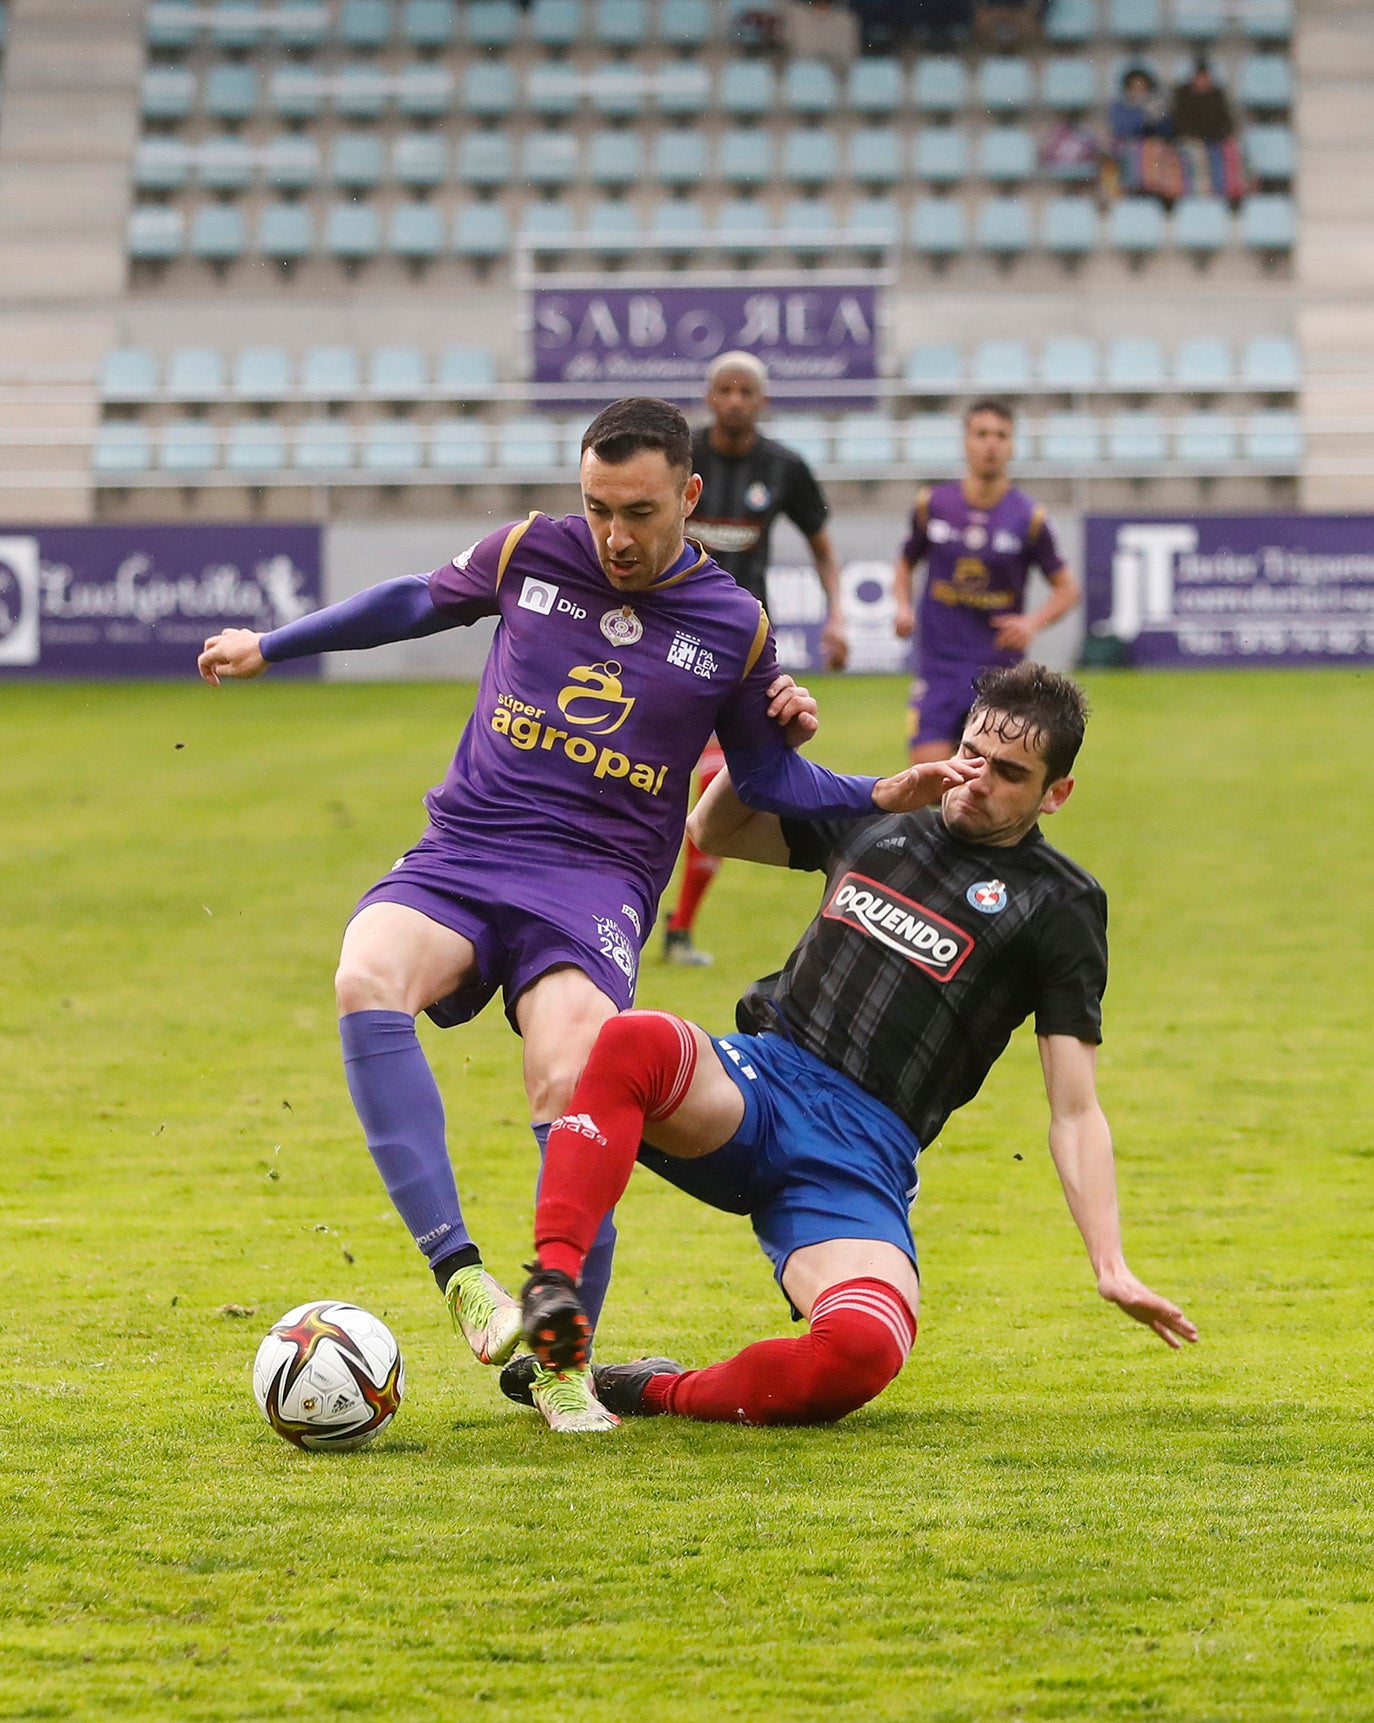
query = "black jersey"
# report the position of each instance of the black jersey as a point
(926, 954)
(742, 495)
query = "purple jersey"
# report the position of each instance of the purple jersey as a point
(976, 561)
(595, 704)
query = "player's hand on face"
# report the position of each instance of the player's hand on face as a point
(904, 621)
(834, 644)
(1013, 633)
(795, 709)
(1120, 1287)
(235, 654)
(924, 785)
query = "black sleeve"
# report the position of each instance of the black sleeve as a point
(812, 843)
(804, 501)
(1072, 966)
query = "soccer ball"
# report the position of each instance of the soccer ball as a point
(328, 1376)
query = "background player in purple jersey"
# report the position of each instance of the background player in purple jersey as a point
(747, 481)
(978, 538)
(940, 931)
(620, 647)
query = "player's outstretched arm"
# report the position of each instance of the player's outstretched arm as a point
(1081, 1144)
(721, 825)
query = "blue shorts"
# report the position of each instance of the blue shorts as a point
(939, 704)
(815, 1158)
(523, 920)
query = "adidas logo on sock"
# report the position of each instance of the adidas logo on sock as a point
(582, 1123)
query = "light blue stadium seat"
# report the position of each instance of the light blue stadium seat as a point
(362, 92)
(933, 443)
(553, 91)
(809, 87)
(744, 156)
(393, 446)
(486, 159)
(365, 24)
(162, 164)
(331, 372)
(128, 374)
(1268, 222)
(491, 23)
(1268, 20)
(1068, 226)
(1136, 226)
(939, 85)
(1135, 364)
(155, 234)
(195, 374)
(677, 225)
(876, 155)
(679, 158)
(1002, 365)
(615, 158)
(286, 232)
(1137, 440)
(352, 232)
(231, 92)
(488, 90)
(429, 24)
(481, 230)
(682, 90)
(173, 24)
(1269, 152)
(121, 447)
(1069, 364)
(255, 446)
(556, 23)
(810, 157)
(941, 155)
(168, 93)
(1070, 440)
(621, 23)
(743, 224)
(465, 373)
(1070, 21)
(290, 163)
(424, 91)
(935, 368)
(939, 227)
(1265, 82)
(218, 233)
(236, 24)
(1201, 224)
(746, 88)
(526, 443)
(1203, 363)
(296, 92)
(1271, 362)
(302, 24)
(613, 227)
(874, 222)
(415, 231)
(1004, 226)
(865, 440)
(1206, 440)
(188, 446)
(1069, 86)
(1135, 20)
(1004, 84)
(876, 87)
(459, 446)
(684, 23)
(356, 161)
(546, 226)
(620, 91)
(226, 164)
(809, 437)
(809, 224)
(550, 158)
(420, 159)
(1006, 155)
(1199, 21)
(1273, 436)
(324, 446)
(262, 374)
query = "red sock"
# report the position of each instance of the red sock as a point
(698, 869)
(640, 1068)
(861, 1333)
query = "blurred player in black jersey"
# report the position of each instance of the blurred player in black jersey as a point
(939, 932)
(747, 481)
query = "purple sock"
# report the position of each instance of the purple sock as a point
(596, 1270)
(402, 1116)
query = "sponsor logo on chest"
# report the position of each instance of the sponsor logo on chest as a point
(901, 924)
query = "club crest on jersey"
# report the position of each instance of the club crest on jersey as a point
(975, 537)
(988, 895)
(901, 924)
(758, 496)
(622, 627)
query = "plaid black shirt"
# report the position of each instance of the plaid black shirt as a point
(741, 497)
(927, 953)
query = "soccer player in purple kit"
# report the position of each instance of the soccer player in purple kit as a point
(979, 538)
(620, 646)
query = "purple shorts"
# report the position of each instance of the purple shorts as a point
(523, 919)
(940, 703)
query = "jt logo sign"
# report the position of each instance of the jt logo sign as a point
(1143, 575)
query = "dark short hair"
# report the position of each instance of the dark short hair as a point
(990, 404)
(1028, 700)
(640, 422)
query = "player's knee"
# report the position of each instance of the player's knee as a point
(863, 1332)
(363, 986)
(651, 1055)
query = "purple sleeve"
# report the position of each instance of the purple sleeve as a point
(1044, 548)
(917, 540)
(395, 610)
(466, 587)
(769, 775)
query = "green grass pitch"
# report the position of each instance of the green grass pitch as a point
(1048, 1516)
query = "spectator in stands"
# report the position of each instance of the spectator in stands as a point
(1205, 127)
(1071, 150)
(1146, 161)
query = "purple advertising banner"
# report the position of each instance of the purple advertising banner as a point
(138, 601)
(1210, 590)
(818, 338)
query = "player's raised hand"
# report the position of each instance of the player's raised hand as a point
(1122, 1288)
(795, 709)
(922, 786)
(235, 654)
